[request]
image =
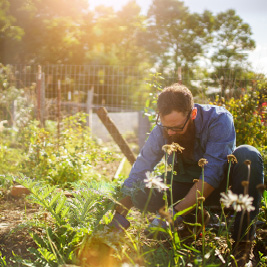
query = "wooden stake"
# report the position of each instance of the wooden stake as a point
(114, 132)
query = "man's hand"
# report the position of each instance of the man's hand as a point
(126, 205)
(119, 223)
(191, 197)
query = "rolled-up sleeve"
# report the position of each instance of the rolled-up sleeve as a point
(220, 143)
(149, 157)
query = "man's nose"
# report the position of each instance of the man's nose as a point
(171, 132)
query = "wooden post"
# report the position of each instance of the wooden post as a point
(38, 92)
(58, 108)
(89, 106)
(42, 100)
(114, 132)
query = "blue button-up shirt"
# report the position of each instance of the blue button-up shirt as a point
(215, 139)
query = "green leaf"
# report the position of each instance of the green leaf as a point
(60, 204)
(54, 199)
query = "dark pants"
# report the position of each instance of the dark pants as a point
(238, 173)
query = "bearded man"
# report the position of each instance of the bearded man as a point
(204, 131)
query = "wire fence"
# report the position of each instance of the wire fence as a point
(57, 91)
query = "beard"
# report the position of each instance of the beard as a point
(185, 140)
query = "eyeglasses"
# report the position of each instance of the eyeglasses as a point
(175, 128)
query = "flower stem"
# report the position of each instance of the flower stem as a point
(173, 157)
(202, 213)
(165, 182)
(148, 199)
(228, 175)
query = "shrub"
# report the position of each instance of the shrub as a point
(249, 118)
(65, 157)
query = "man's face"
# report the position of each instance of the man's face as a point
(184, 137)
(175, 120)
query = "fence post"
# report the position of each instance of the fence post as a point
(42, 100)
(38, 92)
(143, 129)
(58, 107)
(89, 106)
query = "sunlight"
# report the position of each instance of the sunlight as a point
(116, 4)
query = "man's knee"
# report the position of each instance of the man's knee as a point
(249, 166)
(247, 152)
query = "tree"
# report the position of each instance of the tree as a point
(9, 32)
(232, 40)
(175, 37)
(116, 35)
(116, 45)
(52, 31)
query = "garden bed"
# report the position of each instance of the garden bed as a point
(14, 212)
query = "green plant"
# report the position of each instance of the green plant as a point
(16, 104)
(3, 260)
(249, 119)
(6, 181)
(68, 223)
(263, 212)
(150, 108)
(62, 159)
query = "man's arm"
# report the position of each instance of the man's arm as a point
(191, 197)
(147, 159)
(188, 201)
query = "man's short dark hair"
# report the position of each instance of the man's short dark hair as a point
(176, 97)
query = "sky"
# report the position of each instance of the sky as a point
(253, 12)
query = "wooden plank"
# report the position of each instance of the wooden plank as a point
(114, 132)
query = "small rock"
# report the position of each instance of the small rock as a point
(19, 191)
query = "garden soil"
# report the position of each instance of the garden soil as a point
(13, 236)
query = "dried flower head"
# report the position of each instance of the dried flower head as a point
(245, 183)
(177, 147)
(153, 181)
(232, 158)
(238, 202)
(247, 162)
(202, 162)
(172, 148)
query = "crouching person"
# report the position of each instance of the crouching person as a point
(201, 131)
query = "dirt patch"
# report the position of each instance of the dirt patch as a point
(14, 212)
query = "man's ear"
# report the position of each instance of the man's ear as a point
(194, 113)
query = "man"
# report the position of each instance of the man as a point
(204, 131)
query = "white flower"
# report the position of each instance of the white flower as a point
(229, 198)
(238, 202)
(153, 181)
